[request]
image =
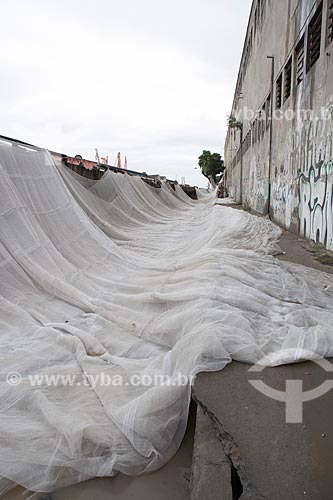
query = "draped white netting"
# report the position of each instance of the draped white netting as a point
(120, 279)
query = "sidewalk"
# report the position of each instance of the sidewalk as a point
(301, 251)
(274, 460)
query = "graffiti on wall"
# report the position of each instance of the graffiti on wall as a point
(299, 169)
(256, 185)
(302, 182)
(283, 195)
(315, 208)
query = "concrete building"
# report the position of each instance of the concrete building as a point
(278, 150)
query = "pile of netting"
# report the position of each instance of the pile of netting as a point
(108, 286)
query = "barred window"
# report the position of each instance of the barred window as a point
(278, 93)
(314, 37)
(299, 61)
(287, 80)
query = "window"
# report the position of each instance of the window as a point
(262, 8)
(259, 127)
(299, 61)
(247, 142)
(263, 120)
(240, 83)
(259, 11)
(268, 111)
(287, 80)
(329, 31)
(314, 37)
(255, 22)
(278, 92)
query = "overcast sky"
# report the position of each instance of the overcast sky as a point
(153, 79)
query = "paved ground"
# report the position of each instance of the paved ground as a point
(301, 251)
(274, 459)
(211, 475)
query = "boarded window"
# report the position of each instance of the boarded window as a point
(278, 92)
(329, 22)
(299, 61)
(287, 80)
(314, 37)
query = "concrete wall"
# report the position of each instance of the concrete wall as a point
(287, 160)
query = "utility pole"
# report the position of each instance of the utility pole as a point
(271, 136)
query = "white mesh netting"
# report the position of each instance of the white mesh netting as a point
(118, 278)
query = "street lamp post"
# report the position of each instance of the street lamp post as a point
(271, 136)
(241, 166)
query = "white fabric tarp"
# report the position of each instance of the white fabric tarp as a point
(120, 279)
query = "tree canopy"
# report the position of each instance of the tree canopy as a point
(211, 165)
(233, 123)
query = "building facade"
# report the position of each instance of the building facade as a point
(278, 149)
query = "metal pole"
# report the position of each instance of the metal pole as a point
(241, 167)
(271, 136)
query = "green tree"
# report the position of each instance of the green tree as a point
(233, 123)
(211, 165)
